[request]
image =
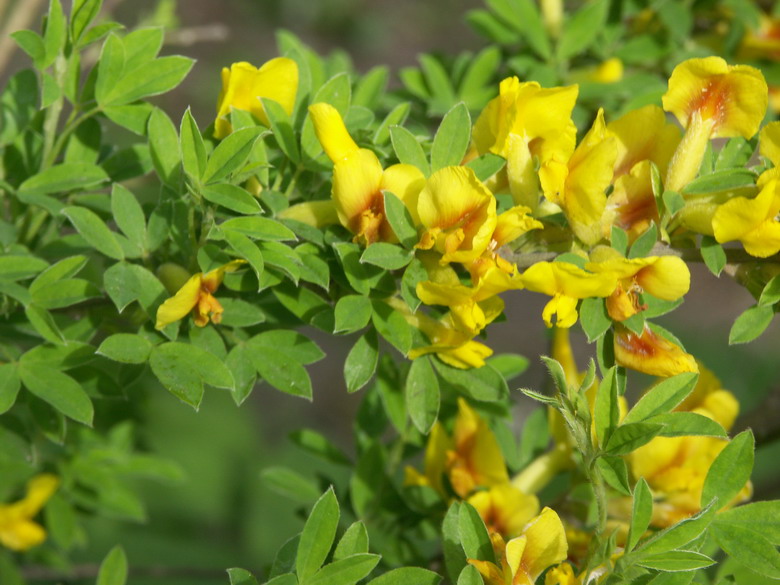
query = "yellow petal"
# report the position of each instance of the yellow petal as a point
(769, 142)
(514, 557)
(667, 278)
(318, 214)
(608, 71)
(331, 132)
(490, 572)
(513, 223)
(631, 205)
(652, 354)
(243, 86)
(546, 545)
(567, 279)
(212, 279)
(564, 308)
(39, 489)
(455, 202)
(356, 190)
(405, 182)
(643, 135)
(21, 535)
(752, 221)
(477, 446)
(178, 306)
(505, 509)
(733, 96)
(563, 574)
(436, 456)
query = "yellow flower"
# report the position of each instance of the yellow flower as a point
(664, 277)
(471, 458)
(505, 509)
(243, 86)
(643, 135)
(197, 296)
(359, 182)
(631, 205)
(650, 353)
(675, 467)
(754, 222)
(579, 185)
(522, 559)
(769, 142)
(459, 214)
(18, 531)
(563, 574)
(609, 71)
(527, 122)
(711, 99)
(763, 42)
(566, 284)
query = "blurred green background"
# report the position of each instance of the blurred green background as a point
(223, 514)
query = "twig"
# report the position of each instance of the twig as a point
(21, 15)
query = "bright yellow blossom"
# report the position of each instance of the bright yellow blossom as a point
(643, 135)
(754, 222)
(459, 214)
(650, 353)
(566, 284)
(526, 123)
(522, 559)
(505, 509)
(243, 86)
(608, 71)
(664, 277)
(471, 458)
(18, 531)
(711, 99)
(631, 205)
(579, 185)
(359, 182)
(197, 295)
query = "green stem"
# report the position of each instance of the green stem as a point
(71, 125)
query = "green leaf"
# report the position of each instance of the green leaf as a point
(387, 256)
(679, 534)
(110, 66)
(486, 165)
(129, 215)
(407, 576)
(94, 231)
(606, 412)
(43, 323)
(230, 154)
(473, 535)
(64, 178)
(259, 228)
(730, 471)
(641, 514)
(134, 117)
(749, 548)
(408, 150)
(720, 181)
(662, 397)
(713, 254)
(32, 44)
(281, 125)
(676, 560)
(400, 220)
(248, 250)
(396, 117)
(231, 197)
(750, 324)
(82, 15)
(392, 325)
(58, 389)
(16, 267)
(319, 445)
(594, 319)
(241, 577)
(193, 151)
(413, 275)
(56, 34)
(644, 243)
(126, 283)
(422, 394)
(673, 202)
(615, 473)
(760, 517)
(771, 292)
(629, 437)
(9, 386)
(148, 79)
(555, 369)
(65, 293)
(127, 348)
(353, 312)
(470, 576)
(354, 541)
(685, 424)
(295, 346)
(362, 277)
(524, 17)
(582, 28)
(113, 569)
(164, 146)
(361, 361)
(346, 571)
(454, 557)
(183, 369)
(290, 484)
(484, 384)
(142, 45)
(279, 371)
(317, 536)
(452, 138)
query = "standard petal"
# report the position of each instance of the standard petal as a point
(331, 132)
(276, 79)
(179, 305)
(546, 545)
